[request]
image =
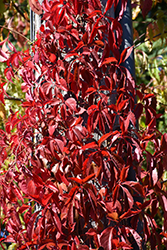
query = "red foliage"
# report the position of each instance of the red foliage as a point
(71, 153)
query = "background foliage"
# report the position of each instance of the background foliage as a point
(14, 17)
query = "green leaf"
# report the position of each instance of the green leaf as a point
(13, 246)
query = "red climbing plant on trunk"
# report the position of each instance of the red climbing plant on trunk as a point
(71, 152)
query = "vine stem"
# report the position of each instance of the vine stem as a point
(12, 98)
(16, 32)
(137, 45)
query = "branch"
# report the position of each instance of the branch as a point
(21, 13)
(162, 182)
(12, 98)
(148, 39)
(16, 32)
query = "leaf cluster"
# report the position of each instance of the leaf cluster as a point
(71, 155)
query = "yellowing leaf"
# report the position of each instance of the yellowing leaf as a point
(13, 246)
(2, 111)
(113, 215)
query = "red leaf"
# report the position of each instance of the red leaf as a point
(108, 5)
(17, 192)
(79, 46)
(90, 90)
(72, 193)
(99, 43)
(47, 243)
(138, 110)
(63, 84)
(52, 57)
(147, 5)
(62, 13)
(149, 137)
(164, 199)
(124, 173)
(31, 225)
(129, 214)
(60, 145)
(77, 180)
(108, 60)
(94, 30)
(164, 234)
(132, 118)
(152, 124)
(70, 55)
(106, 238)
(88, 178)
(3, 56)
(139, 94)
(71, 103)
(115, 193)
(125, 54)
(46, 5)
(92, 199)
(46, 198)
(23, 208)
(31, 65)
(83, 247)
(123, 8)
(63, 112)
(70, 214)
(91, 232)
(27, 104)
(90, 145)
(50, 185)
(2, 97)
(31, 187)
(148, 96)
(136, 186)
(103, 138)
(123, 104)
(124, 245)
(35, 6)
(57, 221)
(142, 206)
(130, 199)
(137, 237)
(115, 136)
(163, 142)
(52, 129)
(154, 176)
